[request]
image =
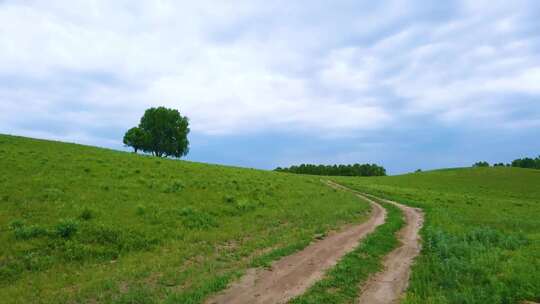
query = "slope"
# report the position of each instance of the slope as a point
(481, 234)
(86, 224)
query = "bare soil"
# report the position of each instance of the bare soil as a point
(389, 285)
(293, 275)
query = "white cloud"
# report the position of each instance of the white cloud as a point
(247, 66)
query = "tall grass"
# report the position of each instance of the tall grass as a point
(481, 240)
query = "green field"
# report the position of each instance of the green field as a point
(481, 236)
(83, 224)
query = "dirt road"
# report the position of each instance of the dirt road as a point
(388, 286)
(292, 275)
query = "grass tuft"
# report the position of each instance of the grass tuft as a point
(66, 228)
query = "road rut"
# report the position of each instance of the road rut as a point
(389, 285)
(293, 275)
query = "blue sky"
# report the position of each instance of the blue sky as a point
(406, 84)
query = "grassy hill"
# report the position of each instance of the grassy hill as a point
(83, 224)
(481, 236)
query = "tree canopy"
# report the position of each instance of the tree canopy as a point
(336, 170)
(162, 132)
(481, 164)
(526, 162)
(135, 138)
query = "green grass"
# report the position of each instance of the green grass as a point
(481, 237)
(83, 224)
(341, 283)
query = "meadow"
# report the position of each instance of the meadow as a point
(84, 224)
(481, 238)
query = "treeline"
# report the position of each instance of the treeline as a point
(527, 162)
(336, 170)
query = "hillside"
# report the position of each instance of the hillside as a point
(481, 236)
(85, 224)
(93, 225)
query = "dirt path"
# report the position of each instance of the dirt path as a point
(292, 275)
(388, 286)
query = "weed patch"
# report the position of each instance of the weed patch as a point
(174, 187)
(66, 228)
(87, 214)
(194, 219)
(24, 232)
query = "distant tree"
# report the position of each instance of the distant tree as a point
(336, 170)
(527, 162)
(135, 138)
(162, 132)
(481, 164)
(418, 170)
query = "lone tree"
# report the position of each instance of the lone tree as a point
(162, 132)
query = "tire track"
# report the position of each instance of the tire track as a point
(293, 275)
(389, 285)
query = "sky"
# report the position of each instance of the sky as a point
(404, 84)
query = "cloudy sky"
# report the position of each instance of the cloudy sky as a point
(406, 84)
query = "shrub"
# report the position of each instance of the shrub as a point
(16, 224)
(174, 187)
(23, 232)
(103, 235)
(194, 219)
(151, 213)
(66, 228)
(229, 199)
(87, 214)
(140, 210)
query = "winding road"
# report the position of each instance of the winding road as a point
(292, 275)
